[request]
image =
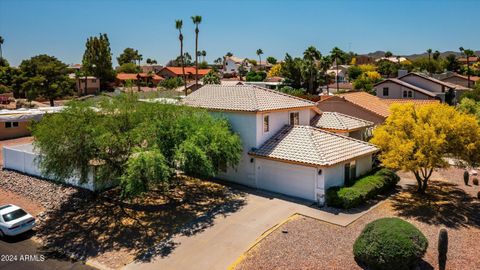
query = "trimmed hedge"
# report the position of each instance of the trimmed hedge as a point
(364, 189)
(390, 243)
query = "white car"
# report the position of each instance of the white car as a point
(14, 220)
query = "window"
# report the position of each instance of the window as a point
(11, 124)
(385, 91)
(294, 118)
(266, 123)
(410, 94)
(94, 81)
(404, 93)
(350, 173)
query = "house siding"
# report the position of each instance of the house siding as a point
(345, 107)
(15, 132)
(395, 91)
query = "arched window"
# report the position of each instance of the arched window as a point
(404, 93)
(410, 94)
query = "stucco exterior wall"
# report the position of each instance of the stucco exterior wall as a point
(364, 165)
(277, 121)
(14, 132)
(423, 83)
(244, 124)
(395, 91)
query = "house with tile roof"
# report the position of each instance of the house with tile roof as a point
(343, 124)
(171, 72)
(282, 152)
(365, 106)
(462, 80)
(232, 63)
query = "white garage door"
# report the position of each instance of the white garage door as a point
(292, 180)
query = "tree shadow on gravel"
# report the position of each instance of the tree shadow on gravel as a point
(89, 225)
(444, 204)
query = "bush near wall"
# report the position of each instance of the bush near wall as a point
(364, 189)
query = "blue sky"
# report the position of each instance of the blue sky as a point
(60, 28)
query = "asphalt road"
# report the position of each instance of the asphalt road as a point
(22, 253)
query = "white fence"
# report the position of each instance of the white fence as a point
(21, 158)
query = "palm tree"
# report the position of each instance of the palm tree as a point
(337, 54)
(1, 43)
(229, 54)
(178, 26)
(325, 64)
(311, 57)
(196, 20)
(468, 53)
(259, 53)
(204, 54)
(429, 51)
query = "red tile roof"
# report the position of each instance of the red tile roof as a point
(472, 78)
(133, 76)
(188, 70)
(369, 102)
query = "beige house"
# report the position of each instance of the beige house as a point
(16, 123)
(393, 88)
(343, 124)
(461, 80)
(93, 85)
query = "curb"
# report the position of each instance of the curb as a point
(261, 237)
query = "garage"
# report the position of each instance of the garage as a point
(293, 180)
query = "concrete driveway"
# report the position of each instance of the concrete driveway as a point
(220, 245)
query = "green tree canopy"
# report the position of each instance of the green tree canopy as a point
(128, 68)
(138, 144)
(211, 78)
(97, 59)
(44, 76)
(129, 55)
(271, 60)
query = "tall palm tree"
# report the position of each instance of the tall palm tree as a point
(468, 53)
(429, 51)
(204, 54)
(229, 54)
(259, 53)
(178, 26)
(311, 57)
(196, 20)
(325, 64)
(338, 55)
(1, 43)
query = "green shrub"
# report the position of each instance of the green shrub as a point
(390, 243)
(171, 83)
(363, 189)
(465, 177)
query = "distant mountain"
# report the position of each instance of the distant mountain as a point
(379, 54)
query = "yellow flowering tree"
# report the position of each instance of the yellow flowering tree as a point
(275, 70)
(419, 139)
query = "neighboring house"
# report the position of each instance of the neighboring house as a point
(232, 63)
(281, 151)
(471, 60)
(393, 88)
(392, 59)
(357, 104)
(93, 85)
(343, 124)
(342, 75)
(145, 78)
(365, 106)
(16, 123)
(172, 72)
(418, 86)
(265, 84)
(151, 68)
(460, 79)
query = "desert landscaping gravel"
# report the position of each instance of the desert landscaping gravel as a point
(306, 243)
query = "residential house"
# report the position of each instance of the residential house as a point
(365, 106)
(458, 79)
(171, 72)
(151, 68)
(281, 151)
(341, 75)
(343, 124)
(419, 86)
(16, 123)
(144, 78)
(357, 104)
(471, 60)
(232, 63)
(93, 85)
(393, 59)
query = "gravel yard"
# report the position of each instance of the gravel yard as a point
(306, 243)
(111, 231)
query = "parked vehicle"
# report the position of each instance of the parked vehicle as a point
(14, 220)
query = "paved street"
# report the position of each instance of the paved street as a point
(13, 251)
